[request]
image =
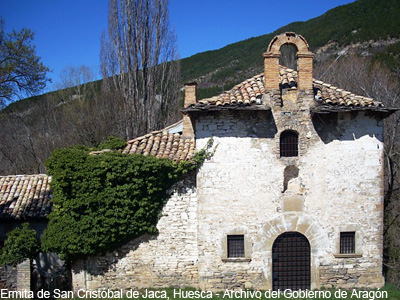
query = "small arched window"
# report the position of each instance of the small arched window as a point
(289, 143)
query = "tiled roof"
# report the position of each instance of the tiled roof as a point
(163, 143)
(329, 94)
(250, 91)
(25, 197)
(246, 93)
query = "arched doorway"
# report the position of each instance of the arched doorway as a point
(291, 262)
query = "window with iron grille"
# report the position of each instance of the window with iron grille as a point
(289, 144)
(235, 245)
(347, 242)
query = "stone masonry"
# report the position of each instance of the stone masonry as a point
(168, 259)
(240, 191)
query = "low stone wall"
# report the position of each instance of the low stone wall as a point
(24, 275)
(351, 273)
(233, 276)
(8, 278)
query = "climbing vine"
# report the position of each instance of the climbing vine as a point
(103, 201)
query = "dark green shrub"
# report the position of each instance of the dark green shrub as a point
(113, 143)
(21, 243)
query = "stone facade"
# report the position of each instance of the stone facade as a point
(332, 185)
(241, 190)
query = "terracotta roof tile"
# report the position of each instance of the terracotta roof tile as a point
(329, 94)
(245, 93)
(250, 91)
(163, 143)
(24, 197)
(27, 197)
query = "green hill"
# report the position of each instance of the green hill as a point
(360, 21)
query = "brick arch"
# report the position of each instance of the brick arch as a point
(304, 61)
(288, 38)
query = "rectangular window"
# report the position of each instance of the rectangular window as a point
(235, 245)
(347, 242)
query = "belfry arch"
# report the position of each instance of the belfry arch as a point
(288, 38)
(304, 61)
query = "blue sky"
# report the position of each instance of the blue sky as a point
(67, 32)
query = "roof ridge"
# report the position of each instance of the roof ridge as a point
(25, 175)
(163, 143)
(154, 132)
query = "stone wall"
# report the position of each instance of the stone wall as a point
(168, 259)
(24, 275)
(349, 273)
(8, 277)
(337, 187)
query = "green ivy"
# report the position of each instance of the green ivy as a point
(21, 243)
(113, 143)
(103, 201)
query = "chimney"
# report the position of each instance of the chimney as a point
(190, 98)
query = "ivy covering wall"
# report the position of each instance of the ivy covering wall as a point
(103, 201)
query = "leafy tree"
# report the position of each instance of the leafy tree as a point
(21, 243)
(21, 71)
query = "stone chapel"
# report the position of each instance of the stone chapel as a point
(292, 197)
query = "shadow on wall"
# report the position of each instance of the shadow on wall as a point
(102, 264)
(330, 127)
(241, 124)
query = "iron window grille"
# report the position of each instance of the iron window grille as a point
(347, 242)
(289, 144)
(235, 245)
